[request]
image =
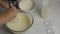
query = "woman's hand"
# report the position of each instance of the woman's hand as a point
(9, 15)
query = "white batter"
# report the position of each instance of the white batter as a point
(21, 22)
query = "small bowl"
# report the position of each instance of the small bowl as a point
(32, 9)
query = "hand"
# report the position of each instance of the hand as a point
(9, 15)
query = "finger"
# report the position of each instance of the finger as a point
(12, 12)
(9, 15)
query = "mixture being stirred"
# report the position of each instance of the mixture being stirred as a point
(21, 22)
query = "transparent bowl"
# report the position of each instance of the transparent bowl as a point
(32, 9)
(32, 20)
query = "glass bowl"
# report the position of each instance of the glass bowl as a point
(32, 9)
(31, 18)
